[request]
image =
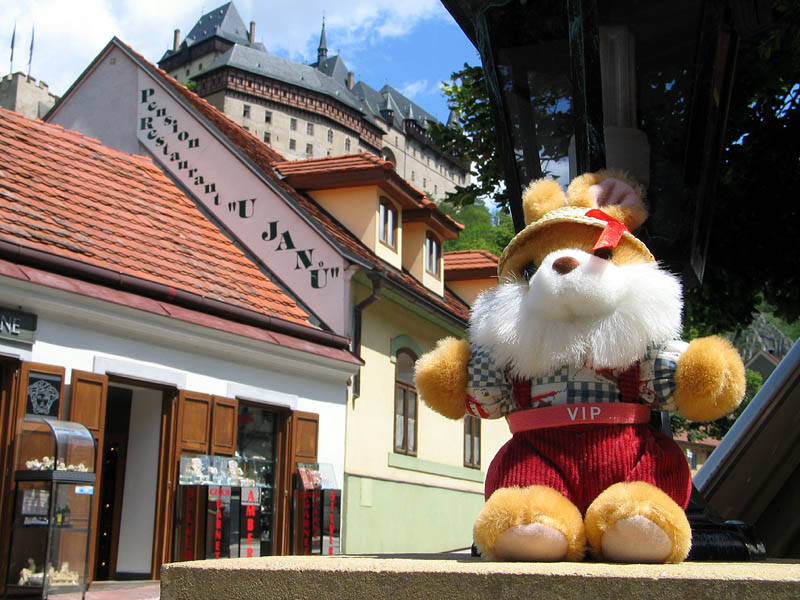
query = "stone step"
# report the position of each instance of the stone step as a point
(438, 576)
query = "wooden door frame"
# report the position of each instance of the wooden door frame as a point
(9, 382)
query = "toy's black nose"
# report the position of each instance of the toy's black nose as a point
(565, 264)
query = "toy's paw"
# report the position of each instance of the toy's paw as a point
(637, 522)
(710, 379)
(533, 524)
(441, 377)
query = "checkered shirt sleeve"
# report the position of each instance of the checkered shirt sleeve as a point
(658, 375)
(489, 391)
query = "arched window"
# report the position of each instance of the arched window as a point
(389, 155)
(387, 224)
(433, 254)
(405, 404)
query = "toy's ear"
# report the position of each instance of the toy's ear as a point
(540, 197)
(613, 192)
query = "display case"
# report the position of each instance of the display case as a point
(54, 484)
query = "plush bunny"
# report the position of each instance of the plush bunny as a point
(575, 347)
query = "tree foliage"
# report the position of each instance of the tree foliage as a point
(472, 139)
(482, 229)
(752, 253)
(752, 256)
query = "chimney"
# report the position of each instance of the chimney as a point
(252, 37)
(351, 80)
(176, 41)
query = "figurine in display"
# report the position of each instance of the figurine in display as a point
(196, 468)
(26, 573)
(234, 472)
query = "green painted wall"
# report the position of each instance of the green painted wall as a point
(387, 516)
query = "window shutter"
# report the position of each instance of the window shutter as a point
(305, 438)
(224, 423)
(194, 423)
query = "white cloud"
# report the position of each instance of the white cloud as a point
(70, 34)
(415, 89)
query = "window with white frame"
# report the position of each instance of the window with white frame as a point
(433, 254)
(472, 442)
(387, 223)
(405, 404)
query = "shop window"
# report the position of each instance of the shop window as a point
(387, 224)
(293, 124)
(472, 442)
(246, 111)
(433, 254)
(257, 443)
(405, 404)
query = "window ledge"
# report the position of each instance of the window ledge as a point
(412, 463)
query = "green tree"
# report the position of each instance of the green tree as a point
(717, 429)
(482, 229)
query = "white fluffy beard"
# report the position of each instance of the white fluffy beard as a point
(509, 322)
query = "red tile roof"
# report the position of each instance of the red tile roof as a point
(268, 159)
(68, 195)
(469, 264)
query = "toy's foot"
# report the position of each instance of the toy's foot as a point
(535, 524)
(637, 522)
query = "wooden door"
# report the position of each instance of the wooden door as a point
(167, 483)
(87, 406)
(193, 437)
(299, 443)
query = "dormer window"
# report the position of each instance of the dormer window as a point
(387, 224)
(433, 254)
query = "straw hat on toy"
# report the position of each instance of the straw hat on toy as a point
(597, 214)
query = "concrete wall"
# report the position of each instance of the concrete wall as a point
(137, 522)
(401, 517)
(409, 493)
(103, 106)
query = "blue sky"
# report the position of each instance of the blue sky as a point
(411, 45)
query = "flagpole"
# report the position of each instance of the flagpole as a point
(30, 55)
(13, 35)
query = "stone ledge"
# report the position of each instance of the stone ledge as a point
(437, 576)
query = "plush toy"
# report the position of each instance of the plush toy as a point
(575, 346)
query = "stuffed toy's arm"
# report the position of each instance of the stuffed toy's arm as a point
(455, 379)
(441, 377)
(709, 380)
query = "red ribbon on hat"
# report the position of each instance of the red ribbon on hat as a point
(612, 232)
